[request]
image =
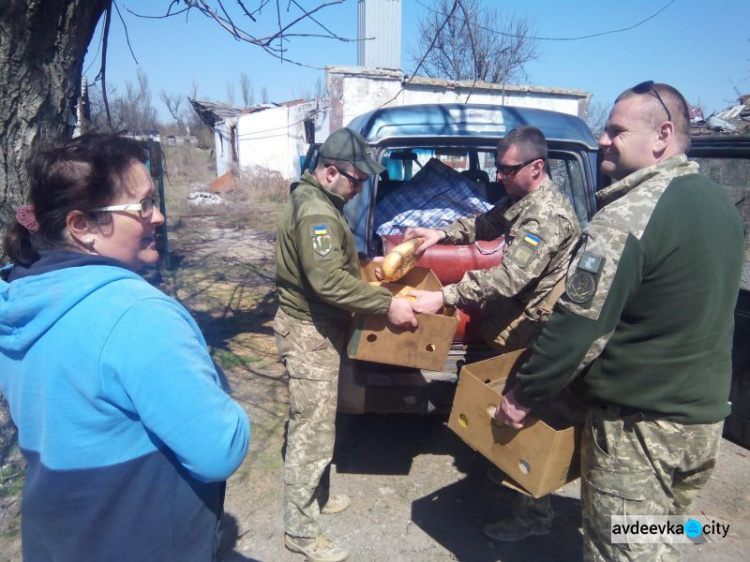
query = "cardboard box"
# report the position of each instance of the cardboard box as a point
(538, 459)
(427, 347)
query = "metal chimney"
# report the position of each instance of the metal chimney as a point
(379, 34)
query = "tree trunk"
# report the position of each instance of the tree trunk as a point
(42, 47)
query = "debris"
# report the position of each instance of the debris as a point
(204, 198)
(225, 183)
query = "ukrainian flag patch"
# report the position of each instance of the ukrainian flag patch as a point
(321, 241)
(523, 249)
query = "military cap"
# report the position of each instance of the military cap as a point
(350, 146)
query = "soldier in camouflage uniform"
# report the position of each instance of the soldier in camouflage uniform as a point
(644, 329)
(319, 284)
(540, 228)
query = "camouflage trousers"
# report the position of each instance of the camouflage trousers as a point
(311, 353)
(646, 467)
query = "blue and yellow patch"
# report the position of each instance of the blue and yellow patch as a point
(523, 249)
(321, 241)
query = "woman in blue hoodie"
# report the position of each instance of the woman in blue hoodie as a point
(128, 434)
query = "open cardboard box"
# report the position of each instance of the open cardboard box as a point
(373, 339)
(538, 459)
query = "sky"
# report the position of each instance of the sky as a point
(702, 47)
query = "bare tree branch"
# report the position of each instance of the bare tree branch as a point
(127, 34)
(275, 44)
(331, 33)
(173, 102)
(462, 49)
(304, 16)
(473, 49)
(248, 93)
(245, 11)
(427, 52)
(103, 71)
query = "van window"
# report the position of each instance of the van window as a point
(404, 163)
(567, 172)
(476, 163)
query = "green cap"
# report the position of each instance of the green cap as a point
(350, 146)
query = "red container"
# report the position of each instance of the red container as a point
(450, 262)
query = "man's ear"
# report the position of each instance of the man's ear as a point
(665, 137)
(331, 174)
(538, 168)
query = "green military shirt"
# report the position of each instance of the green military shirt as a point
(540, 231)
(317, 268)
(646, 320)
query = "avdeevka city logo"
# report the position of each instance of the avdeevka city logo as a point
(693, 528)
(634, 529)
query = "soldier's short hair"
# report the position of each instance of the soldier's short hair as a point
(663, 102)
(529, 142)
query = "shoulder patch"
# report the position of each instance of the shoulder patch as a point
(590, 262)
(580, 286)
(523, 249)
(321, 241)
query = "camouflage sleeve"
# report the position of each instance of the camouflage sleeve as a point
(468, 230)
(527, 258)
(324, 262)
(603, 277)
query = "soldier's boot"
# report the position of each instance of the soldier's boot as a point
(530, 517)
(336, 504)
(319, 549)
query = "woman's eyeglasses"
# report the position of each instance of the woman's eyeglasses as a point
(648, 87)
(145, 208)
(510, 171)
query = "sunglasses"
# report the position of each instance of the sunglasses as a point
(648, 87)
(145, 208)
(351, 178)
(510, 171)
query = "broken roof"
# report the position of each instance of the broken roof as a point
(212, 112)
(734, 120)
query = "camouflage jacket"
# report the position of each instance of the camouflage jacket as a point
(540, 231)
(647, 315)
(317, 268)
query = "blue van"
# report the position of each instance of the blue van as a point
(462, 138)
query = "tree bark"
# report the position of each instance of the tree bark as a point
(42, 47)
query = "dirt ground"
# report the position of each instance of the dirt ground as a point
(418, 492)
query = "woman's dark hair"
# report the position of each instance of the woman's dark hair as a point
(83, 174)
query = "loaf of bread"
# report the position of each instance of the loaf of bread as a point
(399, 261)
(396, 290)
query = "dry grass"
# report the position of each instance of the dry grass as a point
(256, 200)
(186, 169)
(263, 186)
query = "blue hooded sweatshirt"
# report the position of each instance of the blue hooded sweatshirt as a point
(120, 414)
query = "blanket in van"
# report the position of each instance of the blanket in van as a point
(435, 197)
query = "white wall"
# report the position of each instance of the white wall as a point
(274, 137)
(223, 146)
(360, 90)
